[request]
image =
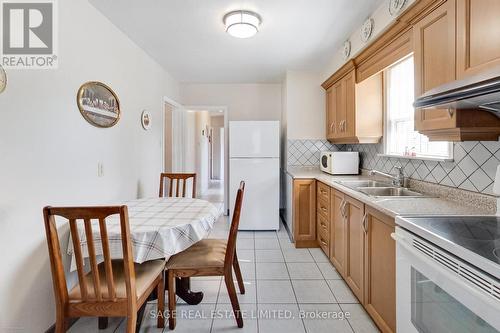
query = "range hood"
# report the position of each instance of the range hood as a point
(479, 92)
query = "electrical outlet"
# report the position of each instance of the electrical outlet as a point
(100, 169)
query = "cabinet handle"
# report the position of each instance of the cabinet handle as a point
(451, 112)
(323, 242)
(364, 223)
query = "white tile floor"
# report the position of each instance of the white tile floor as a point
(280, 281)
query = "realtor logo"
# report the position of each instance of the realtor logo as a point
(28, 34)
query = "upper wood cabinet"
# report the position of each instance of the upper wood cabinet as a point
(380, 269)
(478, 24)
(304, 212)
(349, 118)
(437, 44)
(434, 58)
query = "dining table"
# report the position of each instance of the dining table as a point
(159, 228)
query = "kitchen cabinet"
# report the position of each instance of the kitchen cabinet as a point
(349, 118)
(323, 217)
(355, 242)
(441, 37)
(337, 232)
(380, 269)
(304, 213)
(478, 28)
(434, 59)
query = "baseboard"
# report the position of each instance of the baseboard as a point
(71, 322)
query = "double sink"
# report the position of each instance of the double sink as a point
(375, 188)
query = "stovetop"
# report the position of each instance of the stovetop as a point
(477, 234)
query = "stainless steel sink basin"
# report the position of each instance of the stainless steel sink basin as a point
(389, 192)
(363, 183)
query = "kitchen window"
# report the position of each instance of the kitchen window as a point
(401, 139)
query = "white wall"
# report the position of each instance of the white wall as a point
(305, 105)
(382, 19)
(49, 153)
(244, 101)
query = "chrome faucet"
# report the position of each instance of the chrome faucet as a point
(397, 180)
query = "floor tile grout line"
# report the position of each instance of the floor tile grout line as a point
(293, 289)
(348, 321)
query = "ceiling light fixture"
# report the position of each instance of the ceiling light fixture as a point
(242, 23)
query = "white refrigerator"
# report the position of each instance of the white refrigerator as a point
(254, 148)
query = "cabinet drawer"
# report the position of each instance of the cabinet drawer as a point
(323, 192)
(324, 244)
(323, 226)
(323, 208)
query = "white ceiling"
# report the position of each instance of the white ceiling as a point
(187, 37)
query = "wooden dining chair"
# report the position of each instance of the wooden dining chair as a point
(113, 288)
(210, 257)
(179, 179)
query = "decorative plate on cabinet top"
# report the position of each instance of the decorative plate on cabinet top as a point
(367, 30)
(346, 50)
(3, 79)
(395, 6)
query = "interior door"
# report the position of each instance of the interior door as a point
(354, 273)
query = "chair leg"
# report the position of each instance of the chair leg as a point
(132, 322)
(231, 290)
(160, 291)
(61, 324)
(171, 299)
(237, 272)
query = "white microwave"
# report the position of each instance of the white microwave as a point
(340, 162)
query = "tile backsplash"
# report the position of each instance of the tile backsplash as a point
(307, 152)
(473, 168)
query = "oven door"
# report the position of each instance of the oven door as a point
(437, 292)
(326, 162)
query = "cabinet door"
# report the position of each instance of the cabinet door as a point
(349, 125)
(337, 232)
(354, 273)
(478, 24)
(339, 92)
(380, 270)
(304, 212)
(331, 107)
(434, 56)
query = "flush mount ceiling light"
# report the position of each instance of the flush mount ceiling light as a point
(242, 23)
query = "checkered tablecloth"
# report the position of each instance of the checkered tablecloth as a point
(159, 228)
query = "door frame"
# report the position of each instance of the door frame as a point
(174, 104)
(224, 109)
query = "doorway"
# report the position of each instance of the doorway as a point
(195, 140)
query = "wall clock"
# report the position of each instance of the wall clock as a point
(367, 30)
(346, 50)
(395, 6)
(3, 79)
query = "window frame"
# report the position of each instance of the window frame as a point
(387, 126)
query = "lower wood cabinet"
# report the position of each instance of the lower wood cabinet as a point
(337, 232)
(380, 269)
(355, 242)
(304, 212)
(356, 238)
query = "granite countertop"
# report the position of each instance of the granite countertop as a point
(391, 207)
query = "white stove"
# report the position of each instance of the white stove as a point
(448, 273)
